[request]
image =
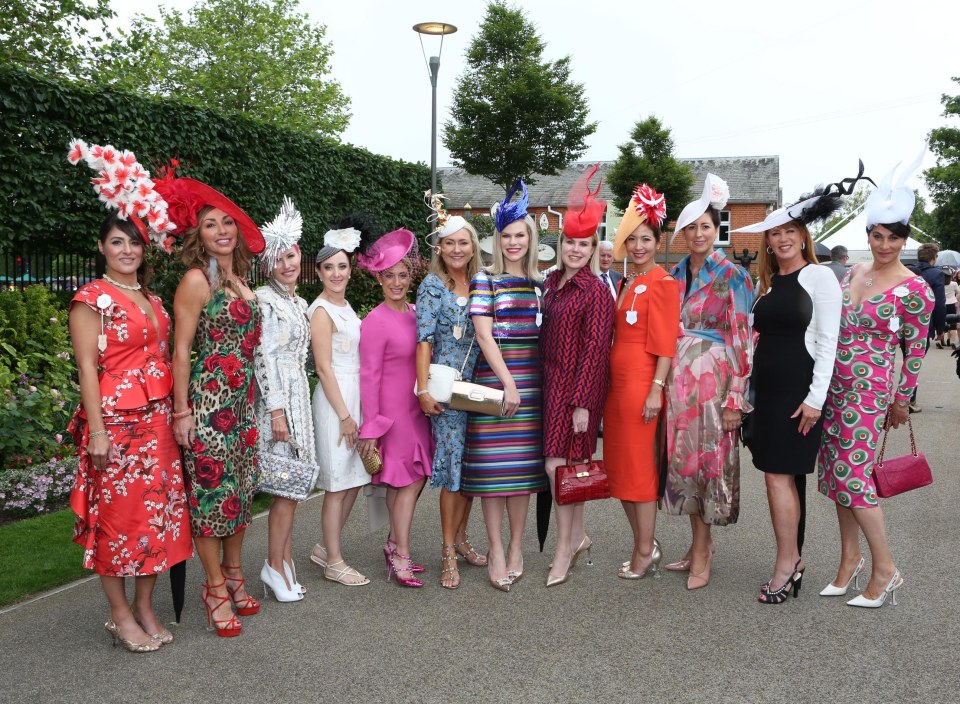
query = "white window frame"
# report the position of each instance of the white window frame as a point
(723, 236)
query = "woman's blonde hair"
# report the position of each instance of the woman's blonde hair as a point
(439, 267)
(767, 264)
(594, 263)
(530, 268)
(195, 257)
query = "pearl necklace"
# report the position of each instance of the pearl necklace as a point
(125, 287)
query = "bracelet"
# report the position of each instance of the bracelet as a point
(182, 414)
(346, 417)
(280, 411)
(423, 393)
(97, 434)
(661, 383)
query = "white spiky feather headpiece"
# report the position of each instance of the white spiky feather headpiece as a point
(893, 200)
(122, 183)
(282, 232)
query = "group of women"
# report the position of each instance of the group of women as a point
(667, 365)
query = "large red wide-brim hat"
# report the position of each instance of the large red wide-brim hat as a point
(186, 197)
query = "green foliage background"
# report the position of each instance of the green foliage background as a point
(943, 180)
(48, 205)
(37, 391)
(515, 114)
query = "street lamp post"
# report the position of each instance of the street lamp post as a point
(433, 66)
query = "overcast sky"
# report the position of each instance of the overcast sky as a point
(820, 84)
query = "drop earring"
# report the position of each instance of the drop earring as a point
(803, 246)
(769, 250)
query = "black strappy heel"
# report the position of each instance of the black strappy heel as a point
(778, 596)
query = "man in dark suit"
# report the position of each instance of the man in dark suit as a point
(933, 275)
(609, 277)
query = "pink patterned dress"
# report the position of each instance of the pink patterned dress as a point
(710, 372)
(862, 384)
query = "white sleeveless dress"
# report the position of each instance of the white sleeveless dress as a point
(340, 468)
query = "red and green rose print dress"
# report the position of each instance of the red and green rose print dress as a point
(222, 464)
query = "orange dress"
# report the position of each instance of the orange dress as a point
(628, 441)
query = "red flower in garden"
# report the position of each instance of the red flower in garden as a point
(212, 362)
(240, 311)
(215, 334)
(209, 472)
(224, 420)
(231, 507)
(250, 439)
(212, 385)
(230, 364)
(237, 380)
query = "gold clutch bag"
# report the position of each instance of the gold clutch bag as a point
(374, 463)
(476, 398)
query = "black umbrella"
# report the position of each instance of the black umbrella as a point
(822, 251)
(178, 582)
(544, 506)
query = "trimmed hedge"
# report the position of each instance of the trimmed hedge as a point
(47, 204)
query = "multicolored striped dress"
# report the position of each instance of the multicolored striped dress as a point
(504, 456)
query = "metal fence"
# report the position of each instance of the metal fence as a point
(60, 272)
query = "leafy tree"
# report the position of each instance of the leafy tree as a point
(943, 180)
(515, 114)
(648, 158)
(52, 37)
(258, 57)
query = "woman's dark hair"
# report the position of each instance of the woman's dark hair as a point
(714, 215)
(112, 222)
(897, 229)
(657, 232)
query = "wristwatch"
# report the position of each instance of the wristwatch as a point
(662, 383)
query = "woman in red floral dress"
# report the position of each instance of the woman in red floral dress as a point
(213, 401)
(129, 496)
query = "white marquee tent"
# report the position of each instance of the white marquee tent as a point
(853, 236)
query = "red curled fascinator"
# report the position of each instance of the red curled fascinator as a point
(186, 197)
(584, 208)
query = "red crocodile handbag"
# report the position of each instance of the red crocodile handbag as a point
(581, 481)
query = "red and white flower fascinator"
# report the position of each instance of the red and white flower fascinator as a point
(122, 183)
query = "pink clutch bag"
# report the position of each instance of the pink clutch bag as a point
(901, 474)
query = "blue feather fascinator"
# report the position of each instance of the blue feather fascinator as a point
(507, 212)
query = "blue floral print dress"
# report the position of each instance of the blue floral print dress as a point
(441, 313)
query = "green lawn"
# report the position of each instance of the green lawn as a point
(37, 554)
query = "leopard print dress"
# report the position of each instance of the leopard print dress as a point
(222, 463)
